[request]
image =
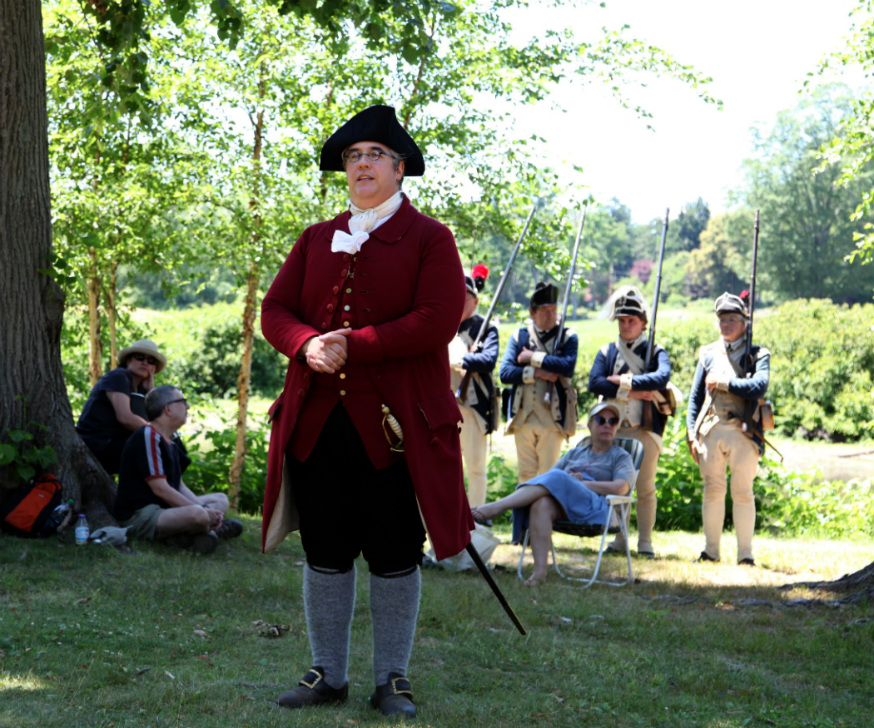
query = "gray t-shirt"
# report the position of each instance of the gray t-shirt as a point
(615, 464)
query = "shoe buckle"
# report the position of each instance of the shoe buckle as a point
(311, 684)
(405, 687)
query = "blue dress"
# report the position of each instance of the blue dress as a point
(581, 504)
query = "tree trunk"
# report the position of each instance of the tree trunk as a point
(112, 313)
(235, 475)
(32, 385)
(95, 349)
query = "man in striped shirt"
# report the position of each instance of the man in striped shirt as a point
(152, 500)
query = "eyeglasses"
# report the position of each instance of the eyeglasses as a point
(373, 155)
(146, 358)
(174, 401)
(612, 421)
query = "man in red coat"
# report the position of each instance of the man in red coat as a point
(365, 307)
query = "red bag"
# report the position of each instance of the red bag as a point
(27, 509)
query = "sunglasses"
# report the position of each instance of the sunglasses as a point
(612, 421)
(146, 358)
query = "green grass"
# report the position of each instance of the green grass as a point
(92, 637)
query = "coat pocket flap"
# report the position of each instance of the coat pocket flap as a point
(441, 410)
(274, 408)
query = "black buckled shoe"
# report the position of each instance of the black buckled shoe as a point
(704, 557)
(313, 690)
(395, 697)
(749, 561)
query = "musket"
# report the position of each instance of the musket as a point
(748, 351)
(465, 380)
(470, 548)
(766, 413)
(503, 282)
(658, 287)
(570, 280)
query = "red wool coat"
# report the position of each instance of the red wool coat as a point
(403, 300)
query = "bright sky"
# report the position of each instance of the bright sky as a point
(758, 53)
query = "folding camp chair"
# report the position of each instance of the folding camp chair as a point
(617, 520)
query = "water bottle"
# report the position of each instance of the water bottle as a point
(82, 530)
(57, 518)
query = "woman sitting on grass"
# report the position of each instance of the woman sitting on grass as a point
(575, 489)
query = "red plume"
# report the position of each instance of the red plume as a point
(479, 271)
(744, 295)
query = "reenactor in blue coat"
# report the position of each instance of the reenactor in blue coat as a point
(724, 426)
(620, 376)
(539, 363)
(472, 383)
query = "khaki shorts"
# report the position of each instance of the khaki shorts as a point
(144, 522)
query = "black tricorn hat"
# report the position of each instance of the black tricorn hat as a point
(374, 124)
(545, 294)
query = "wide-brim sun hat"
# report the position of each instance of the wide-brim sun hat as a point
(374, 124)
(143, 346)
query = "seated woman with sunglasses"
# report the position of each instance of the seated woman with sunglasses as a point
(575, 489)
(115, 408)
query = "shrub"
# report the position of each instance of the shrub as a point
(212, 452)
(822, 359)
(792, 503)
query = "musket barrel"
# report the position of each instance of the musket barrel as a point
(658, 288)
(503, 282)
(752, 303)
(570, 280)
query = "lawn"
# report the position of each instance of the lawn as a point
(94, 637)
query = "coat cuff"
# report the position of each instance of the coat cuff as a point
(537, 358)
(528, 375)
(722, 384)
(624, 385)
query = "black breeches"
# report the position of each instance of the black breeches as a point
(347, 507)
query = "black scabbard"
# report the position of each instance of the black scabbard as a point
(474, 554)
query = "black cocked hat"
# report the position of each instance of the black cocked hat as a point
(545, 294)
(374, 124)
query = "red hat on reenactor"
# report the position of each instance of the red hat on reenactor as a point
(476, 281)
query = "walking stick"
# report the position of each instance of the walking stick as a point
(474, 554)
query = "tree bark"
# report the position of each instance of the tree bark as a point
(32, 385)
(858, 586)
(95, 369)
(244, 379)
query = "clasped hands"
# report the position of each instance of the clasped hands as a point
(634, 393)
(327, 353)
(524, 359)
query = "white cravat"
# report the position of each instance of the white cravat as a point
(362, 222)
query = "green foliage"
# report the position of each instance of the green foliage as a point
(23, 456)
(212, 452)
(787, 502)
(678, 480)
(722, 262)
(502, 479)
(807, 216)
(213, 368)
(799, 504)
(822, 360)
